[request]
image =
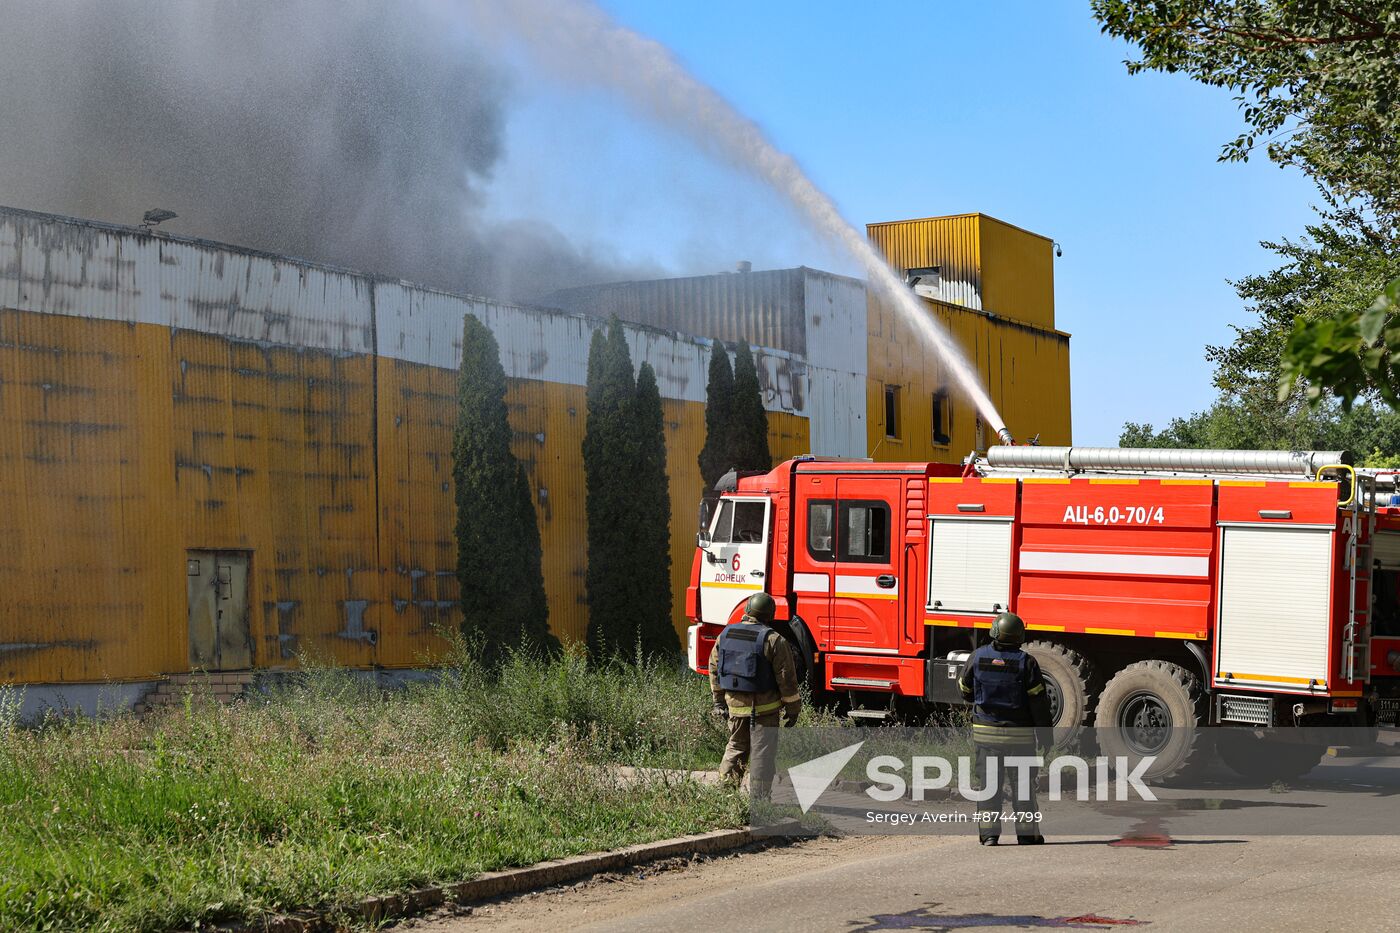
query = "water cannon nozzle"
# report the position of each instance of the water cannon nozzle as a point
(1005, 435)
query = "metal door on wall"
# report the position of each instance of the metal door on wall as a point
(217, 585)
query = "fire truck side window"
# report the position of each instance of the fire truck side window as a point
(821, 529)
(865, 532)
(724, 521)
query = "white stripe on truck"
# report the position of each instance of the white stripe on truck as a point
(1153, 565)
(864, 586)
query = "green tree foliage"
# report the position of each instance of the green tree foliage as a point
(750, 445)
(1350, 355)
(627, 504)
(536, 603)
(736, 423)
(652, 507)
(607, 501)
(1316, 80)
(717, 456)
(1324, 276)
(498, 540)
(1259, 422)
(1318, 83)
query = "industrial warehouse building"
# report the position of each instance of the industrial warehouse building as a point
(190, 428)
(990, 283)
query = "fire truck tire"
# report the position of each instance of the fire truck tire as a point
(1152, 708)
(1070, 678)
(804, 650)
(1262, 760)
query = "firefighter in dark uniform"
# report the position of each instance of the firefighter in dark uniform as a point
(1010, 716)
(753, 678)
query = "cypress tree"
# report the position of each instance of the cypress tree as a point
(652, 514)
(609, 472)
(498, 541)
(750, 420)
(716, 457)
(536, 604)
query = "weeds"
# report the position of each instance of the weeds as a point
(328, 790)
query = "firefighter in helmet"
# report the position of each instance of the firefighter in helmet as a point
(754, 682)
(1010, 717)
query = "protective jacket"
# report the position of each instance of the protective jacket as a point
(758, 669)
(743, 665)
(1007, 693)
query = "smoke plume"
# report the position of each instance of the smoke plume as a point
(361, 133)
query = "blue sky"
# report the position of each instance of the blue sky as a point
(1021, 110)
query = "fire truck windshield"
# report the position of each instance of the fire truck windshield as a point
(739, 522)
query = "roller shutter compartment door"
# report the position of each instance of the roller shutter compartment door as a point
(969, 565)
(1385, 547)
(1275, 610)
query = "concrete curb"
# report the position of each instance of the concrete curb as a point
(499, 883)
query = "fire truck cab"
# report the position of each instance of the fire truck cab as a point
(1159, 588)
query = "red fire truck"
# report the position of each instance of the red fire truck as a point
(1160, 588)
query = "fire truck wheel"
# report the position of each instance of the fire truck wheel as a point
(1151, 708)
(804, 651)
(1068, 679)
(1263, 760)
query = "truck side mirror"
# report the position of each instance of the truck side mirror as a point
(702, 538)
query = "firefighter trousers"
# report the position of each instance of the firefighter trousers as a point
(752, 741)
(1026, 809)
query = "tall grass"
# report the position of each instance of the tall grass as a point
(646, 712)
(329, 790)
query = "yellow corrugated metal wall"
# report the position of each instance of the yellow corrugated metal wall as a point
(87, 500)
(1018, 272)
(998, 281)
(548, 422)
(951, 243)
(274, 453)
(124, 445)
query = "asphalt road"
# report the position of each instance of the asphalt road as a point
(945, 883)
(1222, 881)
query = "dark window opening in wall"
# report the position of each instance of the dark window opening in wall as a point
(942, 417)
(892, 412)
(926, 282)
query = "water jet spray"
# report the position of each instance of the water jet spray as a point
(581, 42)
